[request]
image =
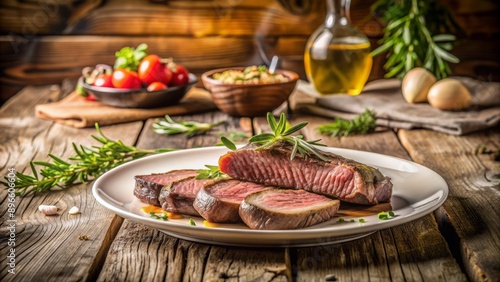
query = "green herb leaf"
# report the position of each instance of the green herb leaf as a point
(129, 58)
(386, 215)
(416, 27)
(189, 128)
(191, 222)
(86, 163)
(282, 132)
(228, 143)
(162, 217)
(362, 124)
(212, 172)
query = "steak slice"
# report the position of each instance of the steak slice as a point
(178, 196)
(286, 209)
(341, 178)
(147, 187)
(219, 201)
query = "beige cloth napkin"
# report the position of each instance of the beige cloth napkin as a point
(385, 98)
(76, 111)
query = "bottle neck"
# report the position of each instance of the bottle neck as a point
(337, 12)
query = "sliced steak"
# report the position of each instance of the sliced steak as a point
(339, 177)
(286, 209)
(219, 201)
(178, 196)
(147, 187)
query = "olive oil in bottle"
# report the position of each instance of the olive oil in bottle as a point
(337, 57)
(341, 68)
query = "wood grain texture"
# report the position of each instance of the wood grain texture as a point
(395, 253)
(41, 240)
(471, 211)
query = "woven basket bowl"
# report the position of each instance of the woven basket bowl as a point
(248, 100)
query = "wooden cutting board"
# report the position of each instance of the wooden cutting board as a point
(74, 110)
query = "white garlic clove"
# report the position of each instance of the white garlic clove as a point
(74, 210)
(449, 94)
(416, 85)
(47, 210)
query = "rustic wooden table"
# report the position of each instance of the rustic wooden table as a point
(458, 242)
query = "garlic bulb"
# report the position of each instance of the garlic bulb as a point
(47, 210)
(416, 85)
(449, 94)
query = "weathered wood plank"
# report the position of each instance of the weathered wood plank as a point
(393, 254)
(43, 241)
(471, 212)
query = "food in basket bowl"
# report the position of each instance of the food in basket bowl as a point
(249, 91)
(137, 79)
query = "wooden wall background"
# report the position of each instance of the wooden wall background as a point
(46, 41)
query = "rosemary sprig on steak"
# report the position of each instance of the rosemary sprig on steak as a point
(189, 128)
(281, 132)
(364, 123)
(86, 164)
(211, 172)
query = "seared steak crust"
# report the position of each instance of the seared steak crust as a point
(218, 201)
(286, 209)
(147, 187)
(178, 196)
(340, 178)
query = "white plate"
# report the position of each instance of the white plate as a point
(417, 192)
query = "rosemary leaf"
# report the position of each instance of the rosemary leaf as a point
(282, 132)
(189, 128)
(85, 164)
(212, 172)
(364, 123)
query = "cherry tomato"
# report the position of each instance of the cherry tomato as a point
(126, 79)
(103, 80)
(180, 76)
(155, 86)
(152, 70)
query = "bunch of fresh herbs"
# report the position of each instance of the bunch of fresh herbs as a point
(418, 34)
(362, 124)
(87, 163)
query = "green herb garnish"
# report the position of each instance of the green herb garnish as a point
(191, 222)
(352, 220)
(212, 172)
(129, 57)
(85, 164)
(413, 36)
(362, 220)
(362, 124)
(162, 217)
(283, 133)
(386, 215)
(189, 128)
(341, 220)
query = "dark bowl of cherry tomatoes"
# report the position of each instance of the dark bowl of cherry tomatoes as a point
(155, 97)
(137, 80)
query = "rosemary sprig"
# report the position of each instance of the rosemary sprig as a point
(211, 172)
(363, 123)
(189, 128)
(282, 132)
(413, 36)
(87, 163)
